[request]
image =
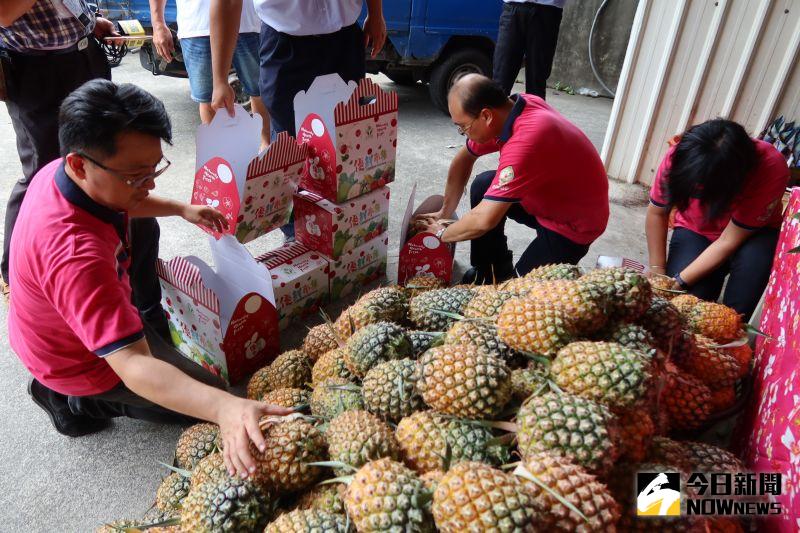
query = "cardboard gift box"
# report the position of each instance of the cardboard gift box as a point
(351, 132)
(253, 191)
(423, 254)
(336, 229)
(223, 319)
(359, 267)
(299, 280)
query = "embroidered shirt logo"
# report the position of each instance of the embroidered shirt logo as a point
(505, 177)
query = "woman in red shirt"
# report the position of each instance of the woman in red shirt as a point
(726, 188)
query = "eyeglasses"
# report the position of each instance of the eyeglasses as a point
(463, 130)
(137, 181)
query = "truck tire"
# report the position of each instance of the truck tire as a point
(452, 67)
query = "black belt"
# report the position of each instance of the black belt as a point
(79, 46)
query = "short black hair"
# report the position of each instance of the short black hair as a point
(710, 163)
(92, 116)
(481, 93)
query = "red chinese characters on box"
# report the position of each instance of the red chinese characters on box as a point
(359, 267)
(351, 132)
(423, 254)
(223, 319)
(299, 280)
(337, 229)
(253, 191)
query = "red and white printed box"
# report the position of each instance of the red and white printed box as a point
(358, 267)
(336, 229)
(253, 191)
(299, 280)
(351, 131)
(423, 254)
(223, 319)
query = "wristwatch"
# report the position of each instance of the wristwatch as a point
(682, 284)
(440, 233)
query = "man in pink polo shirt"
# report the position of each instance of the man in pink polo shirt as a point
(550, 178)
(71, 320)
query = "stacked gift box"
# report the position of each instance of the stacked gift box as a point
(333, 176)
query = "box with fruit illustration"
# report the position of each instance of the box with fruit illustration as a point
(299, 280)
(351, 132)
(336, 229)
(421, 252)
(223, 319)
(254, 192)
(358, 267)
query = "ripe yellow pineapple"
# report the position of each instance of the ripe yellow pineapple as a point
(283, 466)
(710, 365)
(330, 365)
(718, 322)
(320, 339)
(357, 437)
(583, 302)
(291, 397)
(535, 327)
(328, 498)
(171, 492)
(209, 467)
(744, 358)
(385, 304)
(487, 304)
(685, 303)
(196, 442)
(291, 369)
(686, 400)
(636, 431)
(419, 284)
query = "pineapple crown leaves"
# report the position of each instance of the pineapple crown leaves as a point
(329, 324)
(524, 473)
(182, 471)
(755, 331)
(144, 527)
(447, 458)
(333, 464)
(488, 424)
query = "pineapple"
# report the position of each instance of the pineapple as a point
(718, 322)
(722, 399)
(424, 309)
(283, 466)
(476, 497)
(334, 396)
(357, 437)
(196, 442)
(570, 426)
(636, 429)
(686, 400)
(631, 336)
(390, 390)
(291, 369)
(481, 334)
(419, 284)
(226, 504)
(628, 292)
(308, 521)
(386, 496)
(664, 322)
(684, 303)
(604, 372)
(171, 492)
(528, 381)
(464, 381)
(695, 456)
(555, 271)
(330, 365)
(744, 357)
(584, 302)
(535, 327)
(319, 340)
(431, 479)
(664, 287)
(375, 343)
(425, 437)
(293, 398)
(210, 467)
(386, 304)
(591, 497)
(327, 498)
(713, 367)
(421, 341)
(487, 304)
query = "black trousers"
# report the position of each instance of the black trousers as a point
(531, 31)
(747, 269)
(290, 63)
(121, 401)
(491, 249)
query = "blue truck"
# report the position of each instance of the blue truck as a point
(429, 41)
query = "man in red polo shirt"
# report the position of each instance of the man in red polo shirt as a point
(550, 178)
(71, 320)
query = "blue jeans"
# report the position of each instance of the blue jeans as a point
(747, 269)
(197, 57)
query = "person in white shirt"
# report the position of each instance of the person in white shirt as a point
(193, 33)
(527, 28)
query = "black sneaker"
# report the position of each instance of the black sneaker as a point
(488, 276)
(56, 407)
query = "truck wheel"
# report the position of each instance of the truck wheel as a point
(401, 77)
(457, 64)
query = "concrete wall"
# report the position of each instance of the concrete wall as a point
(571, 64)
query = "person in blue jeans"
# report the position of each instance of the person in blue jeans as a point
(193, 35)
(726, 190)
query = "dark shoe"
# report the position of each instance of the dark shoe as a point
(490, 275)
(56, 407)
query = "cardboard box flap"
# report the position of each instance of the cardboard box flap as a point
(184, 273)
(408, 214)
(321, 99)
(284, 151)
(283, 255)
(315, 198)
(367, 100)
(234, 139)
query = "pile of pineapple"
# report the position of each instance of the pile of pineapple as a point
(522, 406)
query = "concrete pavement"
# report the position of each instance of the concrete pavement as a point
(52, 483)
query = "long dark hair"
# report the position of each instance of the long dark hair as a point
(710, 162)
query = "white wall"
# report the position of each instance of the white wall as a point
(691, 60)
